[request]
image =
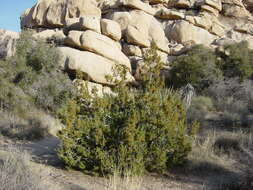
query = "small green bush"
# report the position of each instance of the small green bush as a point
(197, 67)
(236, 61)
(137, 129)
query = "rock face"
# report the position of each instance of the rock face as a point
(94, 66)
(99, 44)
(100, 35)
(7, 43)
(183, 32)
(54, 13)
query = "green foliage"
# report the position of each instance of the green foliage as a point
(134, 129)
(197, 67)
(236, 61)
(33, 77)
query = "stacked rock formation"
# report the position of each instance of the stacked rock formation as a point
(94, 36)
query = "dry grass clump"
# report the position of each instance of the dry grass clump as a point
(126, 182)
(22, 128)
(16, 172)
(234, 99)
(223, 158)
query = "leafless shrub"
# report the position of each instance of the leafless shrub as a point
(23, 128)
(233, 98)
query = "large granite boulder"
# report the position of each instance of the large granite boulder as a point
(184, 32)
(99, 44)
(52, 13)
(94, 66)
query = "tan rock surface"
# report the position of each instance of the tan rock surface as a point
(94, 66)
(138, 4)
(53, 13)
(111, 29)
(183, 32)
(99, 44)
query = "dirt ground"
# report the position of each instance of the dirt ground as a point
(45, 158)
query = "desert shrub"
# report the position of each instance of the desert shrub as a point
(22, 128)
(236, 60)
(13, 98)
(137, 129)
(33, 73)
(197, 67)
(16, 172)
(31, 80)
(233, 98)
(200, 107)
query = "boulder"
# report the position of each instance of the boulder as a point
(181, 4)
(217, 29)
(203, 22)
(122, 18)
(143, 29)
(168, 14)
(235, 8)
(87, 22)
(137, 32)
(152, 2)
(138, 4)
(94, 66)
(51, 35)
(51, 13)
(111, 29)
(210, 9)
(7, 43)
(93, 88)
(99, 44)
(216, 4)
(184, 32)
(157, 35)
(107, 5)
(73, 39)
(136, 37)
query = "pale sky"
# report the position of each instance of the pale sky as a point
(10, 11)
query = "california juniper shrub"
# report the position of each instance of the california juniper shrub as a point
(236, 61)
(197, 67)
(137, 129)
